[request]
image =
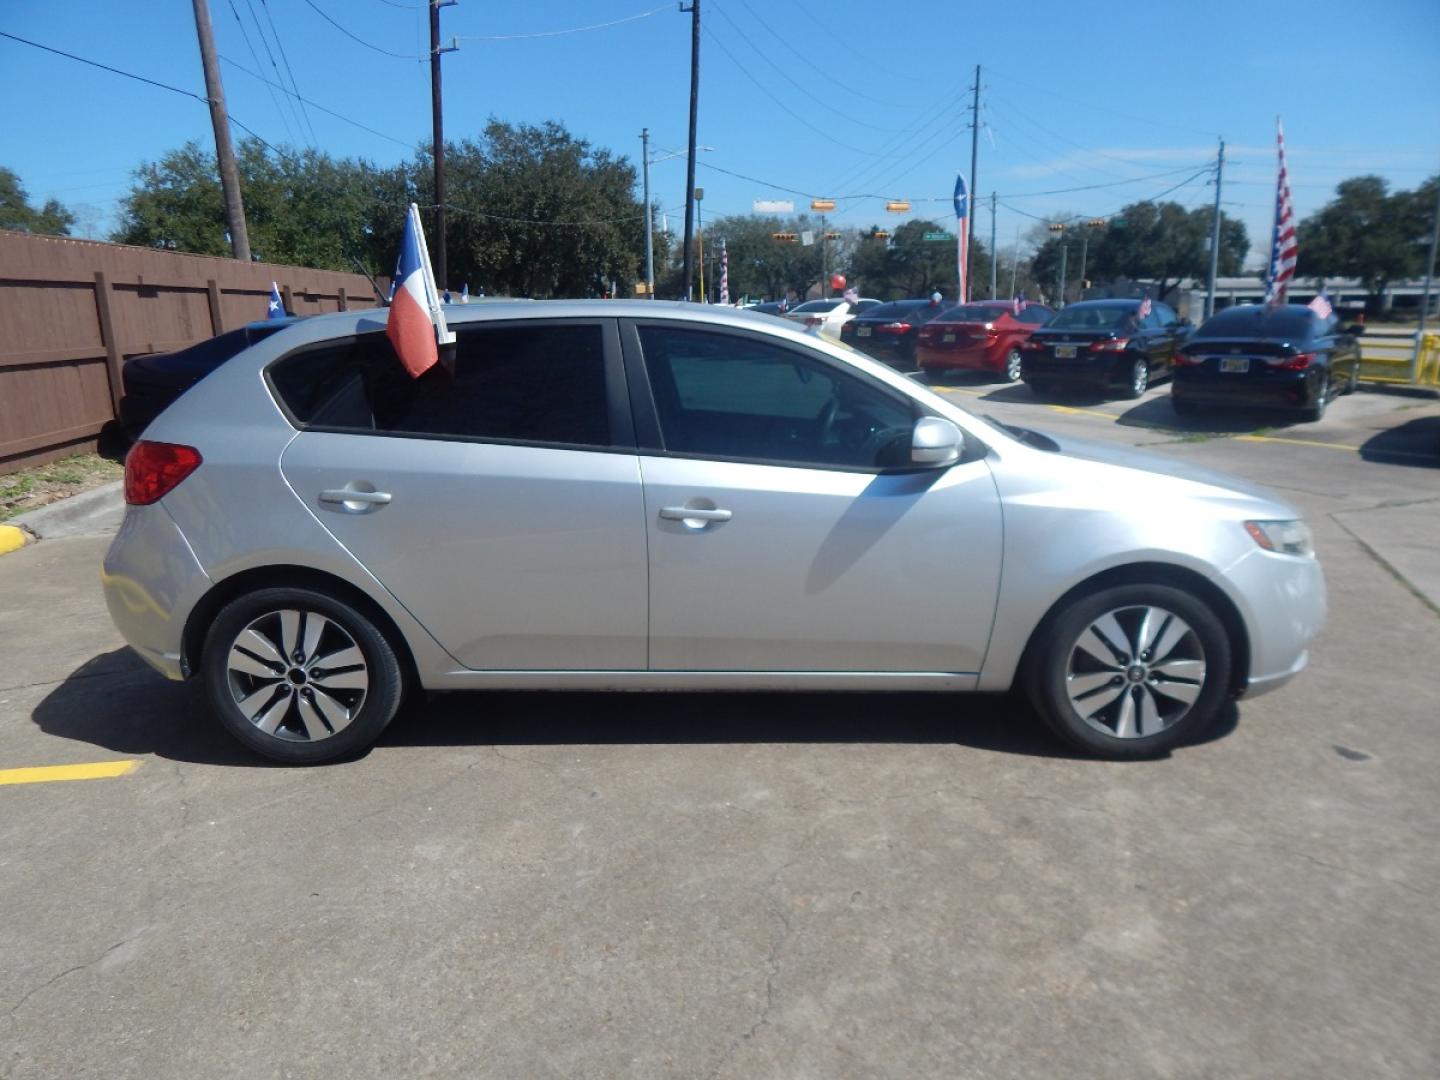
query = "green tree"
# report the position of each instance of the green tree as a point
(1366, 232)
(17, 213)
(908, 265)
(1164, 242)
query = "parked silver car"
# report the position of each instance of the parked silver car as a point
(639, 495)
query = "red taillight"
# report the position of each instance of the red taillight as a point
(1032, 346)
(1118, 345)
(990, 329)
(847, 328)
(1180, 359)
(894, 328)
(1298, 362)
(154, 469)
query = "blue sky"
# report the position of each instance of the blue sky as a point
(845, 98)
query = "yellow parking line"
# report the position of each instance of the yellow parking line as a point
(1298, 442)
(45, 774)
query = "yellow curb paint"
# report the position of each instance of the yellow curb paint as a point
(12, 538)
(1297, 442)
(45, 774)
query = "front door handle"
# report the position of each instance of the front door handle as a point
(690, 514)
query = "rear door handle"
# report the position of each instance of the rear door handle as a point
(693, 513)
(348, 496)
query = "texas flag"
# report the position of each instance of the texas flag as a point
(416, 324)
(276, 308)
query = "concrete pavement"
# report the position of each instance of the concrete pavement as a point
(548, 885)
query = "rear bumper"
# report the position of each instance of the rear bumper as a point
(151, 581)
(888, 349)
(1299, 390)
(970, 358)
(1081, 370)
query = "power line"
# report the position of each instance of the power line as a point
(106, 67)
(1076, 217)
(793, 82)
(811, 19)
(1069, 99)
(288, 70)
(317, 105)
(353, 37)
(780, 104)
(866, 170)
(562, 33)
(249, 45)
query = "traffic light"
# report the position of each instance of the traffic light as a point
(832, 236)
(1056, 226)
(879, 234)
(787, 237)
(1097, 223)
(822, 204)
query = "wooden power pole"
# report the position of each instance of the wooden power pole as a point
(224, 149)
(689, 265)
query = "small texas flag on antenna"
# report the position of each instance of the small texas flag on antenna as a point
(416, 323)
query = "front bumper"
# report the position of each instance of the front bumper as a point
(152, 581)
(1283, 603)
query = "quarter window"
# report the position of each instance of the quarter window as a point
(724, 395)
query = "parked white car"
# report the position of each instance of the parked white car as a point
(827, 316)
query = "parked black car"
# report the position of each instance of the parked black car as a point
(888, 332)
(153, 381)
(1102, 344)
(1286, 357)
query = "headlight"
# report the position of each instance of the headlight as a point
(1286, 537)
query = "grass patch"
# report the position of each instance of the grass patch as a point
(33, 488)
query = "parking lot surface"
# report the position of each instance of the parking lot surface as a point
(559, 885)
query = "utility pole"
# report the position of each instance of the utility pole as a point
(649, 239)
(1215, 235)
(1015, 259)
(824, 263)
(438, 134)
(224, 149)
(694, 10)
(699, 194)
(1429, 272)
(1064, 254)
(974, 150)
(993, 255)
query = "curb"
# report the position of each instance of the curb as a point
(11, 539)
(90, 513)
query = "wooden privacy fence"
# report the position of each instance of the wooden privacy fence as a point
(72, 312)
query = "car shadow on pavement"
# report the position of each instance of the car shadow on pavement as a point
(115, 702)
(1415, 442)
(1158, 412)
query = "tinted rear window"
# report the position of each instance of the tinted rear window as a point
(819, 305)
(897, 309)
(530, 383)
(1253, 320)
(973, 313)
(1079, 317)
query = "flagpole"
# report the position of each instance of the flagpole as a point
(443, 336)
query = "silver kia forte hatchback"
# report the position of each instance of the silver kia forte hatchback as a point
(639, 496)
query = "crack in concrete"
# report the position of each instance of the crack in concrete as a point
(69, 971)
(1384, 563)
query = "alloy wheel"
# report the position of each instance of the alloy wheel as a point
(1012, 365)
(297, 675)
(1139, 377)
(1135, 671)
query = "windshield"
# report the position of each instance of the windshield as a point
(1081, 317)
(1253, 320)
(818, 305)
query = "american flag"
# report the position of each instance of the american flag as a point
(962, 239)
(1145, 308)
(724, 273)
(1017, 305)
(1321, 304)
(1283, 250)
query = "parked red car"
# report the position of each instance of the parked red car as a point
(981, 336)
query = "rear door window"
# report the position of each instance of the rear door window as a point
(528, 383)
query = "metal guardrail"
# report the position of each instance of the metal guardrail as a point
(1399, 359)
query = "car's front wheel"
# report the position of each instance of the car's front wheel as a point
(299, 676)
(1138, 380)
(1130, 671)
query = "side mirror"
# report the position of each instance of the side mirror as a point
(1355, 329)
(935, 442)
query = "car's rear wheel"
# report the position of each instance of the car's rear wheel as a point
(1139, 380)
(1353, 382)
(299, 676)
(1012, 365)
(1317, 411)
(1130, 671)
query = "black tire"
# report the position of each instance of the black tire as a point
(1353, 382)
(1047, 671)
(1137, 379)
(1011, 372)
(1317, 411)
(366, 712)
